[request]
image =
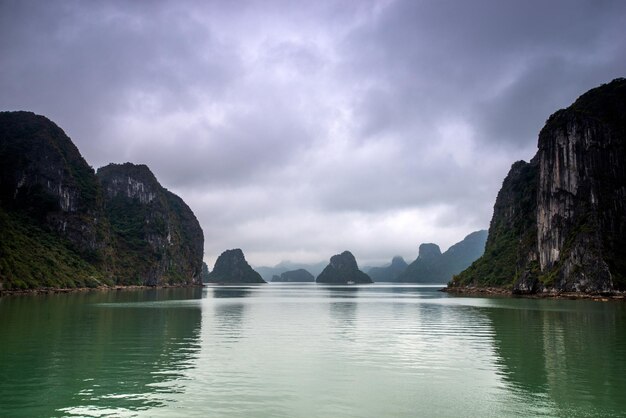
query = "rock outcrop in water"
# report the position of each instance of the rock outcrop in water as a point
(62, 228)
(299, 275)
(343, 269)
(559, 222)
(388, 273)
(231, 267)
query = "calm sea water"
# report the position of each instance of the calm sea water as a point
(309, 351)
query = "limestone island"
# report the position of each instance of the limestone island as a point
(343, 269)
(231, 267)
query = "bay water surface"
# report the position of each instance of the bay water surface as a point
(306, 350)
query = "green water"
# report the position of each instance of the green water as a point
(309, 351)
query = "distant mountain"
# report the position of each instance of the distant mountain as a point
(343, 269)
(231, 267)
(390, 272)
(299, 275)
(268, 272)
(64, 226)
(431, 266)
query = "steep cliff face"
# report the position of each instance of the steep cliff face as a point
(157, 237)
(511, 248)
(54, 232)
(343, 269)
(559, 222)
(44, 176)
(581, 218)
(231, 267)
(61, 228)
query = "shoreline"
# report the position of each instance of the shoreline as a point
(57, 290)
(503, 292)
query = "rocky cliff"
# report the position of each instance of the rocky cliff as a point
(559, 222)
(343, 269)
(299, 275)
(57, 226)
(388, 273)
(54, 232)
(231, 267)
(158, 239)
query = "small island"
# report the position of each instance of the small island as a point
(294, 276)
(231, 267)
(343, 269)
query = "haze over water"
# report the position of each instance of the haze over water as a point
(309, 351)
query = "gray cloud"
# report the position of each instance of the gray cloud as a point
(297, 130)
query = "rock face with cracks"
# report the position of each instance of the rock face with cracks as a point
(559, 222)
(158, 239)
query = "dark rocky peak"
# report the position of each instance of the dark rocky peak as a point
(44, 176)
(429, 251)
(344, 261)
(343, 269)
(67, 230)
(231, 267)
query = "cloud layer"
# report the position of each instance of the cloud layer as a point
(296, 130)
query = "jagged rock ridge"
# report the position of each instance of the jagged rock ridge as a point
(231, 267)
(559, 222)
(343, 269)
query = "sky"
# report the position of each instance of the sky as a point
(296, 130)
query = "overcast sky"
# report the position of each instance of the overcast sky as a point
(299, 129)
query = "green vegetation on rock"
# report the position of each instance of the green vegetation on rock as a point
(559, 222)
(62, 227)
(511, 233)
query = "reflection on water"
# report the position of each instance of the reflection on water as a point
(565, 357)
(72, 355)
(309, 351)
(229, 291)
